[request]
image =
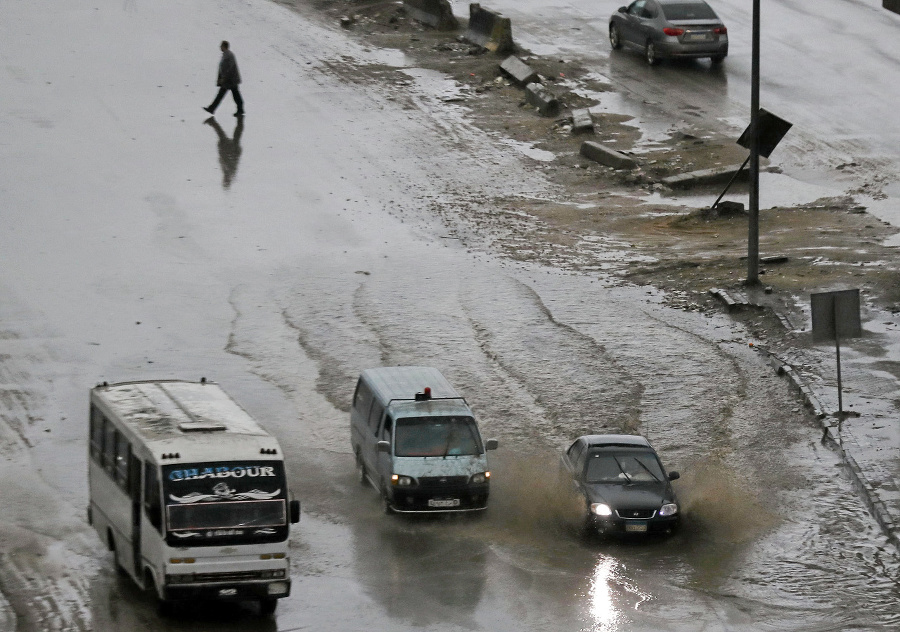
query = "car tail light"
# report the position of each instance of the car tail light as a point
(673, 31)
(720, 30)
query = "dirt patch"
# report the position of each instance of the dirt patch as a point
(600, 224)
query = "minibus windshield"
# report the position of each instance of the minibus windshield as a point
(225, 499)
(437, 436)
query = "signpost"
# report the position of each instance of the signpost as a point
(835, 315)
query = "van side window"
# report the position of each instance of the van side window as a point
(375, 416)
(96, 434)
(109, 447)
(388, 429)
(362, 399)
(152, 502)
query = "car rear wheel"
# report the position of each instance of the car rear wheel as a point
(650, 53)
(615, 38)
(717, 59)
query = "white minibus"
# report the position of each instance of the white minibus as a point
(189, 493)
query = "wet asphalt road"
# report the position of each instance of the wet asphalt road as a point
(283, 285)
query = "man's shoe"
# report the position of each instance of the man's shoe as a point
(208, 110)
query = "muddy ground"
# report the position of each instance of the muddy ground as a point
(827, 244)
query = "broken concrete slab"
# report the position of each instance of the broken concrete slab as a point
(582, 121)
(605, 156)
(521, 73)
(435, 13)
(705, 176)
(541, 98)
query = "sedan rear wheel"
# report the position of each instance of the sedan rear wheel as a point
(615, 38)
(650, 53)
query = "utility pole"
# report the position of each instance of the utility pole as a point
(753, 230)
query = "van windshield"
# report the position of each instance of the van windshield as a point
(437, 436)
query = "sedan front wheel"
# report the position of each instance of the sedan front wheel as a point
(615, 38)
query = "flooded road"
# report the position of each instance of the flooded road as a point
(335, 246)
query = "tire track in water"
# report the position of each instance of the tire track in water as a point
(579, 386)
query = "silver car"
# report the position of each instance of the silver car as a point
(669, 29)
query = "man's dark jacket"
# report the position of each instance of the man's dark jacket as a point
(229, 77)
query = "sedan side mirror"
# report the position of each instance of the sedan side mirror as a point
(674, 476)
(383, 446)
(491, 444)
(295, 511)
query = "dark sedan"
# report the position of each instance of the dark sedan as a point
(624, 486)
(669, 29)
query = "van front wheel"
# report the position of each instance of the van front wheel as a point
(361, 471)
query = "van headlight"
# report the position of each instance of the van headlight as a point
(480, 478)
(669, 509)
(402, 481)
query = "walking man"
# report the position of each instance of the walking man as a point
(228, 79)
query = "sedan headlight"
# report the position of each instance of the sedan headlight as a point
(669, 509)
(600, 509)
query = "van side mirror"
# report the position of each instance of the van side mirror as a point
(491, 444)
(295, 511)
(623, 9)
(383, 446)
(673, 476)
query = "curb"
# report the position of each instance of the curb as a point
(830, 429)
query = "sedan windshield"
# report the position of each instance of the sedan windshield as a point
(436, 436)
(689, 11)
(635, 467)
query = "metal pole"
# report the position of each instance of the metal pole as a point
(753, 232)
(837, 347)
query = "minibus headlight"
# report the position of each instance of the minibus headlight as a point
(480, 478)
(277, 588)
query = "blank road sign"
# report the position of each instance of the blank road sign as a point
(835, 314)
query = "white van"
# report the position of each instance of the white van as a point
(416, 441)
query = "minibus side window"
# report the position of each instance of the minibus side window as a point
(152, 502)
(109, 447)
(96, 434)
(123, 451)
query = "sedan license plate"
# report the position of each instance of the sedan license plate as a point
(635, 527)
(443, 502)
(696, 37)
(227, 592)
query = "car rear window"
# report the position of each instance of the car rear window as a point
(689, 11)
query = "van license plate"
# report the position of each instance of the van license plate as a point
(450, 502)
(636, 527)
(227, 592)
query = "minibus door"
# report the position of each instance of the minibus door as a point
(135, 468)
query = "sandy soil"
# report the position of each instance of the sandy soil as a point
(829, 243)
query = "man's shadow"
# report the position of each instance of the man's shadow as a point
(229, 148)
